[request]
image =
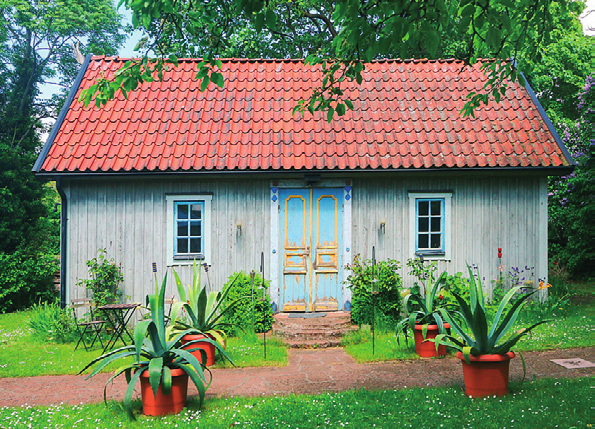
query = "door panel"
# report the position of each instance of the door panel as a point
(311, 233)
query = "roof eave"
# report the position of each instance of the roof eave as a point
(550, 171)
(73, 90)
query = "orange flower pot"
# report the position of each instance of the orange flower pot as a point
(486, 375)
(207, 347)
(428, 348)
(161, 404)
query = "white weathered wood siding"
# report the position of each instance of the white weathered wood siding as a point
(487, 213)
(128, 218)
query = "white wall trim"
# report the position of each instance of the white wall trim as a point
(347, 252)
(274, 290)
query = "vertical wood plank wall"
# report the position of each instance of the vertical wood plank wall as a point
(128, 218)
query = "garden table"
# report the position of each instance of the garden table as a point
(118, 316)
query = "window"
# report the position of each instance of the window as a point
(430, 225)
(430, 218)
(189, 226)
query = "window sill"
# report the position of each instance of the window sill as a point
(190, 257)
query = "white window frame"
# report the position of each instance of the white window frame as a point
(171, 224)
(447, 221)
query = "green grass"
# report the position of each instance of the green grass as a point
(544, 404)
(358, 344)
(570, 328)
(23, 354)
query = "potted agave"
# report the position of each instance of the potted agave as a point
(424, 319)
(161, 364)
(201, 318)
(484, 350)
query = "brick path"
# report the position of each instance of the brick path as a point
(308, 371)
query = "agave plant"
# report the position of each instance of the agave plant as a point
(152, 351)
(427, 312)
(202, 311)
(471, 324)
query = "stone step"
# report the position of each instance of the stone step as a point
(325, 331)
(313, 344)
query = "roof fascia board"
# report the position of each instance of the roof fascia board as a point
(73, 89)
(548, 123)
(552, 171)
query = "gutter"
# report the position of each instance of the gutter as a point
(550, 171)
(63, 241)
(73, 90)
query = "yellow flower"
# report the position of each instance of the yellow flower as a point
(405, 292)
(542, 286)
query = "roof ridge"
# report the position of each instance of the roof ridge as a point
(298, 60)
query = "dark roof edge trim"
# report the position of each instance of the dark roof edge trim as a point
(555, 171)
(547, 121)
(73, 89)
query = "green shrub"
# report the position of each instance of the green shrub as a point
(26, 279)
(105, 278)
(241, 315)
(51, 322)
(388, 299)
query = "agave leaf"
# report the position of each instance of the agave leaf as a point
(124, 369)
(502, 307)
(192, 362)
(156, 342)
(107, 360)
(198, 381)
(155, 369)
(479, 327)
(130, 391)
(510, 319)
(140, 332)
(166, 381)
(454, 324)
(438, 340)
(431, 295)
(511, 342)
(467, 354)
(102, 357)
(180, 287)
(438, 319)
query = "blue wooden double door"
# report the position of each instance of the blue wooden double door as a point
(311, 221)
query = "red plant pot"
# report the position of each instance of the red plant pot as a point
(486, 375)
(428, 348)
(161, 404)
(207, 347)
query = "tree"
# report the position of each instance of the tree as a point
(35, 48)
(348, 33)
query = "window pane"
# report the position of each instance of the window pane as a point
(436, 205)
(423, 241)
(436, 224)
(182, 229)
(196, 211)
(182, 245)
(422, 224)
(436, 242)
(182, 211)
(195, 229)
(422, 208)
(195, 245)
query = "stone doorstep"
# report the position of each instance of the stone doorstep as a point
(320, 332)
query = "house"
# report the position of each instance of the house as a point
(172, 174)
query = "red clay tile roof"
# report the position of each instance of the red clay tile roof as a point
(406, 117)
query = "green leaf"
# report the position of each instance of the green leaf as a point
(155, 369)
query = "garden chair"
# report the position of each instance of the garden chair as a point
(92, 326)
(169, 302)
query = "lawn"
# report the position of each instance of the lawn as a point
(571, 328)
(544, 403)
(24, 355)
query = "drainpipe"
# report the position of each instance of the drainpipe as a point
(63, 241)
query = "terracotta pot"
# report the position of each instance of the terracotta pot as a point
(207, 347)
(486, 375)
(161, 404)
(428, 349)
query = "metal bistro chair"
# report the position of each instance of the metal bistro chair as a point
(87, 327)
